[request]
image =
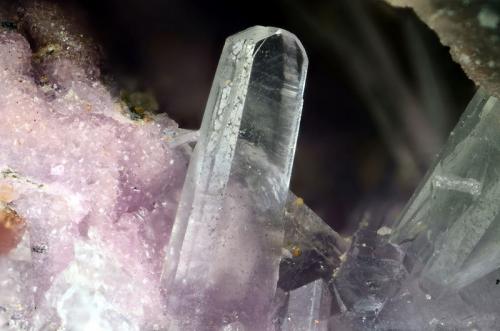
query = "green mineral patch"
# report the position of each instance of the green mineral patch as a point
(47, 50)
(139, 105)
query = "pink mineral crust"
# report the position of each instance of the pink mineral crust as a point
(97, 190)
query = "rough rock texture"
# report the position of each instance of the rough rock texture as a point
(95, 191)
(471, 30)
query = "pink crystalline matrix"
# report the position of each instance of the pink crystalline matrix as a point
(87, 194)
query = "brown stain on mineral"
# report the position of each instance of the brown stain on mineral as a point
(12, 228)
(7, 193)
(296, 251)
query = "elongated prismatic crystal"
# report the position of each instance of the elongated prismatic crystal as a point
(222, 261)
(451, 226)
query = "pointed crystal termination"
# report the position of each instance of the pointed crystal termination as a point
(222, 261)
(451, 225)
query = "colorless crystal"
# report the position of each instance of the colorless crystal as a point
(221, 266)
(452, 223)
(438, 267)
(308, 308)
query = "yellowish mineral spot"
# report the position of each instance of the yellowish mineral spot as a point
(7, 193)
(299, 202)
(296, 251)
(12, 228)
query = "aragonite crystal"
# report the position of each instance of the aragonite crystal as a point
(222, 260)
(437, 267)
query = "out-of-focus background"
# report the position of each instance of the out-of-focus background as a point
(382, 92)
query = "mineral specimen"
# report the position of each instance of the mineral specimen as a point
(223, 256)
(450, 232)
(110, 221)
(88, 192)
(312, 249)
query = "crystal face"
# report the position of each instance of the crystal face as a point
(308, 308)
(223, 256)
(437, 268)
(450, 223)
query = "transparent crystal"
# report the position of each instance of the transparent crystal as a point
(451, 224)
(308, 308)
(437, 267)
(222, 260)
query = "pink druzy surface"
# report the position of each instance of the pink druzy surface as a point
(97, 190)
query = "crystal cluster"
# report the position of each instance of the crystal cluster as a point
(437, 266)
(89, 191)
(110, 220)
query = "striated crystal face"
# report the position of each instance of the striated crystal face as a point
(437, 267)
(223, 256)
(451, 226)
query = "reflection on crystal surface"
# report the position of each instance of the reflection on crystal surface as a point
(437, 268)
(222, 259)
(452, 228)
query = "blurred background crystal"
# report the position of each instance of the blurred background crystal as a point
(436, 266)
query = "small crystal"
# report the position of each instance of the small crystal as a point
(308, 308)
(311, 248)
